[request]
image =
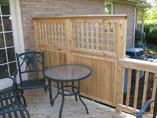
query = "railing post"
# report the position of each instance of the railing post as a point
(121, 45)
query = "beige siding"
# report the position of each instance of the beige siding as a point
(126, 9)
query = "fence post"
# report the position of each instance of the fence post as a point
(69, 40)
(121, 45)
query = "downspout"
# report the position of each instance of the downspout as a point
(143, 21)
(133, 43)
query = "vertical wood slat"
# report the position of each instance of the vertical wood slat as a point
(107, 81)
(103, 36)
(78, 36)
(51, 34)
(62, 39)
(92, 36)
(128, 87)
(40, 37)
(87, 40)
(115, 84)
(58, 33)
(117, 35)
(45, 33)
(73, 35)
(55, 31)
(145, 88)
(43, 36)
(153, 92)
(97, 36)
(108, 37)
(82, 29)
(114, 37)
(136, 89)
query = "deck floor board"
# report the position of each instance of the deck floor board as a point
(39, 107)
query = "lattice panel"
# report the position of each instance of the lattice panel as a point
(53, 33)
(94, 35)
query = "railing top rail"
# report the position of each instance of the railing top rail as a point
(139, 65)
(84, 16)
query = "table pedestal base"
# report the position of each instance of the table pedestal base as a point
(75, 91)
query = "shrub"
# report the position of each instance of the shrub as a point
(151, 33)
(138, 36)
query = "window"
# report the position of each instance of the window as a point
(7, 48)
(108, 8)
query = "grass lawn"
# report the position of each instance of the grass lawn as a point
(153, 49)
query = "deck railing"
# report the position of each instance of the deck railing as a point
(96, 41)
(150, 69)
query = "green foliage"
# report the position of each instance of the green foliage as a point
(154, 49)
(138, 36)
(151, 33)
(150, 26)
(151, 14)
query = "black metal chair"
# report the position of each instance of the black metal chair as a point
(32, 63)
(10, 102)
(142, 110)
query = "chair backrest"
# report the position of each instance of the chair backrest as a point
(30, 62)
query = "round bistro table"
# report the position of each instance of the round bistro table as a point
(68, 73)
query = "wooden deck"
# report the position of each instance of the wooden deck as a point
(39, 107)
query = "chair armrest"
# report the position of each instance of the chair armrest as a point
(15, 109)
(142, 110)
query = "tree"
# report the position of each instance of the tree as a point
(151, 14)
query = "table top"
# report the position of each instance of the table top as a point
(68, 72)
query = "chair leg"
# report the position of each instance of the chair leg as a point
(20, 95)
(24, 101)
(50, 93)
(45, 89)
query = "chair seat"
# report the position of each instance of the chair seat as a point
(10, 106)
(32, 84)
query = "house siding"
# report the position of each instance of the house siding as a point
(41, 8)
(126, 9)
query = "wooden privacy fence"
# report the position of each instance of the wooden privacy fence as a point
(95, 41)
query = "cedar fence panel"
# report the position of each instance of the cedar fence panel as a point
(95, 41)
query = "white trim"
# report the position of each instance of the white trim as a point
(17, 25)
(133, 42)
(17, 28)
